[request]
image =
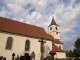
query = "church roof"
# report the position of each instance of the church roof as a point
(11, 26)
(53, 22)
(57, 41)
(8, 25)
(56, 49)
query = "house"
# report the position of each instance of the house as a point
(21, 38)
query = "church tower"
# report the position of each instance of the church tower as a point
(54, 29)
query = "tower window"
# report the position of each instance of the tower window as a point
(56, 28)
(50, 28)
(60, 47)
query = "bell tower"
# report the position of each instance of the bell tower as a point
(54, 29)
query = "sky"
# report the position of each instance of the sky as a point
(39, 13)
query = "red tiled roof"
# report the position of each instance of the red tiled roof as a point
(57, 41)
(56, 49)
(12, 26)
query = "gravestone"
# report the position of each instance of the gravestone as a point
(4, 58)
(13, 56)
(1, 57)
(33, 56)
(25, 57)
(48, 58)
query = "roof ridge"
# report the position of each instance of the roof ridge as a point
(17, 27)
(20, 22)
(58, 48)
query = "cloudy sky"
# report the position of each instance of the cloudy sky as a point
(39, 12)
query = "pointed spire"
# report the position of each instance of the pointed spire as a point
(53, 21)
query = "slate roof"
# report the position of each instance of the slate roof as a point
(53, 22)
(56, 49)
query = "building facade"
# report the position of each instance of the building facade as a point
(21, 38)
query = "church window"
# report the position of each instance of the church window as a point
(60, 47)
(9, 43)
(50, 28)
(56, 28)
(27, 45)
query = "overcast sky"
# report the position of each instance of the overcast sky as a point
(39, 12)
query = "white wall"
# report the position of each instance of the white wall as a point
(53, 28)
(53, 31)
(48, 48)
(18, 46)
(60, 55)
(59, 45)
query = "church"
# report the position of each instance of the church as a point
(21, 39)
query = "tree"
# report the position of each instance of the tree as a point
(77, 48)
(69, 53)
(74, 52)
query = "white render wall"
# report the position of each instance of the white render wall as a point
(59, 45)
(18, 45)
(48, 48)
(53, 31)
(60, 55)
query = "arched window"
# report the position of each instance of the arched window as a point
(56, 32)
(60, 47)
(56, 28)
(50, 28)
(27, 45)
(9, 43)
